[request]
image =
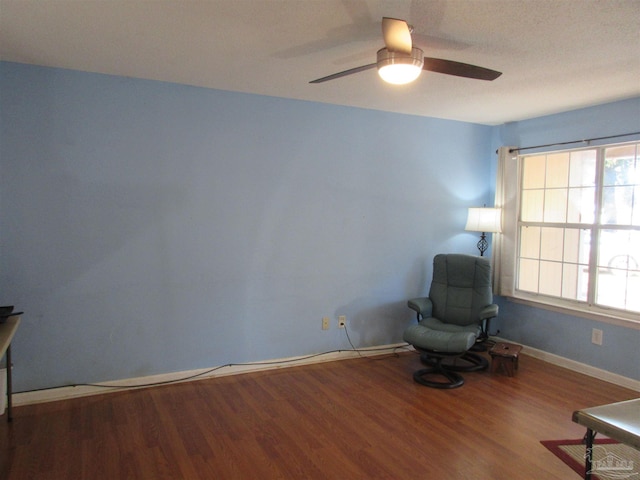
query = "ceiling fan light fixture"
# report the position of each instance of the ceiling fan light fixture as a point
(400, 68)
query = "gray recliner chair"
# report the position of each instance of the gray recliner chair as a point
(452, 319)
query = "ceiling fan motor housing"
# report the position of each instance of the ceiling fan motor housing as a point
(404, 67)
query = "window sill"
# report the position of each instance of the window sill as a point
(599, 314)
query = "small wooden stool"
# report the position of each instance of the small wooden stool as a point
(505, 355)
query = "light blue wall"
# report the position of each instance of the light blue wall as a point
(148, 227)
(561, 334)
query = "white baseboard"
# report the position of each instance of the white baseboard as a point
(65, 393)
(579, 367)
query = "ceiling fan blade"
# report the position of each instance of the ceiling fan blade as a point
(449, 67)
(344, 73)
(397, 36)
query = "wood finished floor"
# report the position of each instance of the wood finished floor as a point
(351, 419)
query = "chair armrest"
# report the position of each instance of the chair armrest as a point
(421, 305)
(489, 311)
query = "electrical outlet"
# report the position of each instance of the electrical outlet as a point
(342, 321)
(325, 323)
(596, 336)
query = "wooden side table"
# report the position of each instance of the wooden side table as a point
(505, 356)
(7, 331)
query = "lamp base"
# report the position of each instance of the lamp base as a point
(483, 245)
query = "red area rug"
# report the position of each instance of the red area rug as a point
(611, 460)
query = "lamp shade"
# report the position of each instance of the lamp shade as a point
(484, 220)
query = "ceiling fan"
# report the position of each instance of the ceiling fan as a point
(399, 62)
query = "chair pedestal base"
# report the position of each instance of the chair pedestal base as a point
(436, 368)
(454, 380)
(472, 361)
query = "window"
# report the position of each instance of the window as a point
(578, 229)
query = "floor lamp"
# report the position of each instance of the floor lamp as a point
(485, 220)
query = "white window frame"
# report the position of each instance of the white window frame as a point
(506, 245)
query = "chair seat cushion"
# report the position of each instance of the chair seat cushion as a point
(447, 339)
(436, 324)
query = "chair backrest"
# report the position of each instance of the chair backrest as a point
(460, 288)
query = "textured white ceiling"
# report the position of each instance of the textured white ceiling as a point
(555, 55)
